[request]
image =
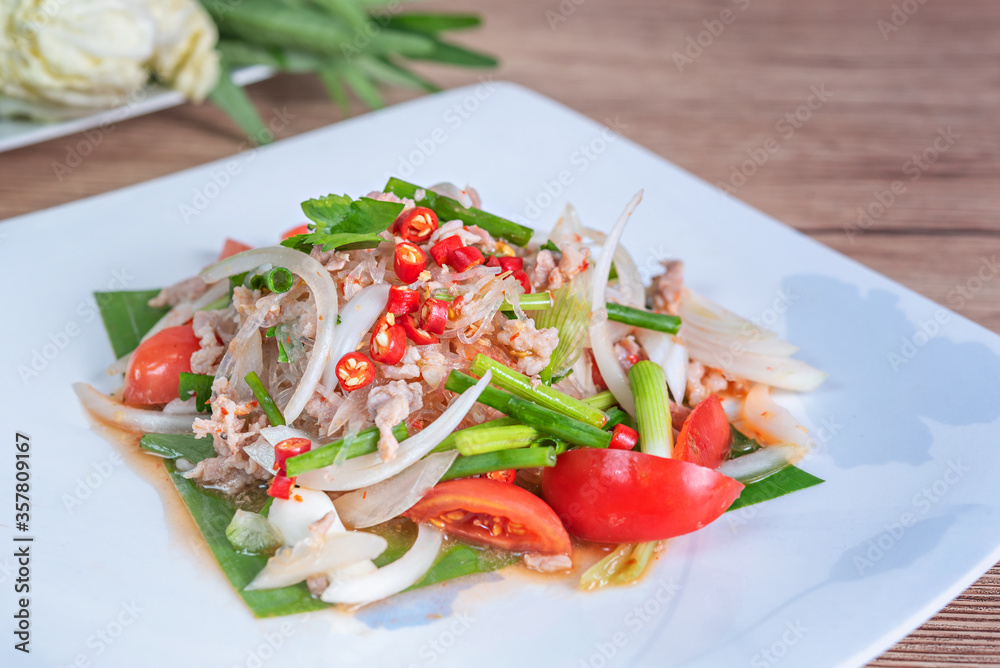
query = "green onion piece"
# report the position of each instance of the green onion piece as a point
(444, 296)
(617, 416)
(477, 441)
(602, 401)
(364, 443)
(570, 314)
(550, 245)
(449, 441)
(623, 565)
(267, 404)
(251, 533)
(278, 280)
(652, 409)
(448, 209)
(536, 301)
(520, 385)
(668, 324)
(541, 418)
(522, 458)
(556, 444)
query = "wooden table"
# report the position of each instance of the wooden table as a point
(880, 93)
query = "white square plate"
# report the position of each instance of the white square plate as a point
(908, 423)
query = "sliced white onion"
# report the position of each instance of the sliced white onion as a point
(762, 463)
(246, 356)
(177, 315)
(370, 469)
(604, 353)
(139, 420)
(672, 357)
(356, 318)
(781, 372)
(449, 189)
(324, 291)
(293, 516)
(373, 505)
(391, 578)
(750, 341)
(568, 229)
(317, 554)
(705, 314)
(770, 422)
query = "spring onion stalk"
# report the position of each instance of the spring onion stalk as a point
(251, 533)
(570, 315)
(623, 565)
(602, 401)
(277, 280)
(449, 442)
(543, 419)
(652, 410)
(477, 441)
(521, 386)
(364, 443)
(448, 209)
(668, 324)
(536, 301)
(521, 458)
(264, 399)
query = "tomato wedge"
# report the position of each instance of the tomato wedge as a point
(490, 512)
(705, 436)
(620, 496)
(155, 368)
(232, 247)
(295, 231)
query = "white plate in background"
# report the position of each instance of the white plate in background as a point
(15, 133)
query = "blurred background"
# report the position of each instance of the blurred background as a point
(809, 111)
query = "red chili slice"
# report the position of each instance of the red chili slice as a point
(465, 258)
(388, 342)
(492, 261)
(623, 437)
(522, 278)
(290, 447)
(416, 333)
(511, 263)
(416, 225)
(354, 371)
(281, 487)
(443, 248)
(403, 300)
(409, 261)
(434, 315)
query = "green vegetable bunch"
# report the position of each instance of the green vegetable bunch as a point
(353, 45)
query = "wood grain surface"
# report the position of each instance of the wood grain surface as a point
(881, 94)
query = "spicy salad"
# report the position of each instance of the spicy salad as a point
(409, 389)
